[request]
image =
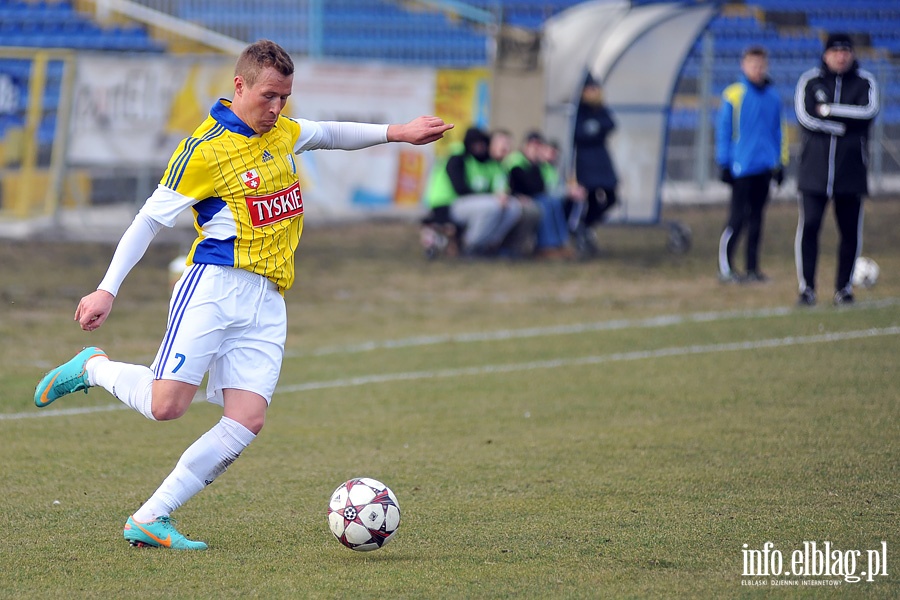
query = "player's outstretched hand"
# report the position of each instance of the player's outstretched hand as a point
(93, 309)
(419, 131)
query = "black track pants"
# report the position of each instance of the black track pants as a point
(749, 196)
(849, 216)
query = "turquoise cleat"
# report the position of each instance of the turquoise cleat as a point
(65, 379)
(158, 533)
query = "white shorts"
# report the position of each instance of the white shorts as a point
(229, 322)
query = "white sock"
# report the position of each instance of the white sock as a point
(206, 459)
(132, 384)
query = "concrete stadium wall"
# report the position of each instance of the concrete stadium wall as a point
(518, 102)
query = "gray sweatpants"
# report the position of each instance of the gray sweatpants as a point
(486, 220)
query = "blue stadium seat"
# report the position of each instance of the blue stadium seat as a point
(56, 24)
(792, 53)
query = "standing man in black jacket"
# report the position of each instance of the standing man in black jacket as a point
(835, 103)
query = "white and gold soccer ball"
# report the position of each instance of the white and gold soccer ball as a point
(865, 272)
(363, 514)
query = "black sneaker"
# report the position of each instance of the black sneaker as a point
(585, 244)
(755, 277)
(807, 298)
(843, 298)
(730, 277)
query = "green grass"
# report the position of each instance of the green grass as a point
(630, 457)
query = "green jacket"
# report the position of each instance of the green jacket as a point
(482, 178)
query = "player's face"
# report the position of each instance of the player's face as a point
(755, 68)
(260, 104)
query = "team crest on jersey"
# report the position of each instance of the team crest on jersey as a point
(271, 208)
(251, 179)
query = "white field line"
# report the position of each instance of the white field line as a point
(526, 366)
(532, 332)
(592, 360)
(574, 328)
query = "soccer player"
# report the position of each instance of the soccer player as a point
(752, 151)
(227, 315)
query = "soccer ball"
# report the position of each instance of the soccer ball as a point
(363, 514)
(865, 272)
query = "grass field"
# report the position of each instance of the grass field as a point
(614, 429)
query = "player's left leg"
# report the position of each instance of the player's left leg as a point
(849, 216)
(757, 198)
(806, 243)
(731, 233)
(242, 379)
(199, 466)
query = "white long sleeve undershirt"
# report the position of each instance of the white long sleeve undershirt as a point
(339, 135)
(131, 248)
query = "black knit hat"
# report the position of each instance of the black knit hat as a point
(589, 80)
(475, 135)
(839, 40)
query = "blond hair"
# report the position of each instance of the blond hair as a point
(261, 55)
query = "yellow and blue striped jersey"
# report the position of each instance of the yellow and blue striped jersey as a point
(248, 211)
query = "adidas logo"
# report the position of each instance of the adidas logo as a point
(266, 156)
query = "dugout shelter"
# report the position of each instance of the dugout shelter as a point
(636, 52)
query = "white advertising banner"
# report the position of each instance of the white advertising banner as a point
(367, 94)
(132, 112)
